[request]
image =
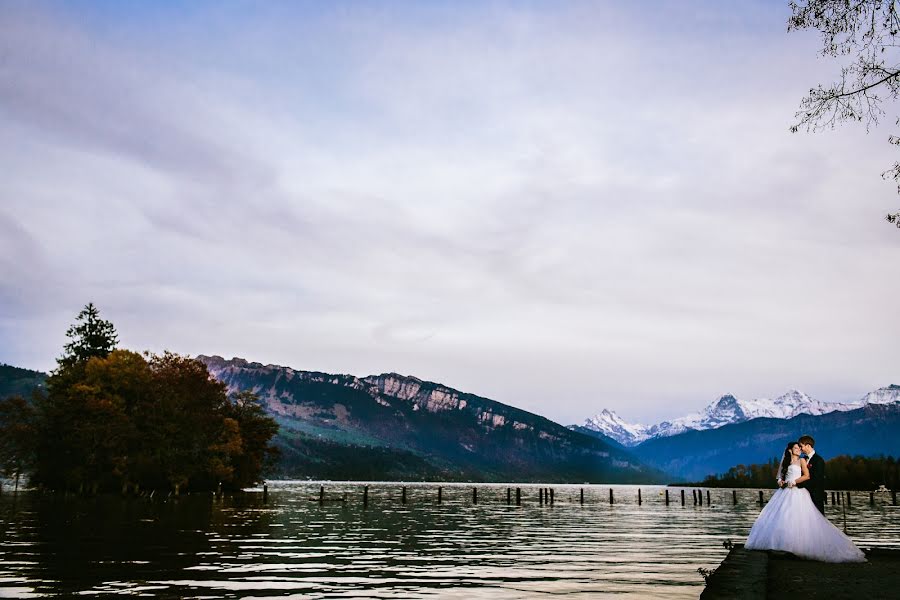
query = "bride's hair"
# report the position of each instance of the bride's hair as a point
(787, 459)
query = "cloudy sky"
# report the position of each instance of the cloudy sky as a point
(563, 206)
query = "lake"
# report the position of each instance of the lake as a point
(198, 546)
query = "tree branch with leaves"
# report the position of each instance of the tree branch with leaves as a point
(867, 32)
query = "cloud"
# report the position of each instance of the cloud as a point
(564, 209)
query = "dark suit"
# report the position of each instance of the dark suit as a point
(815, 485)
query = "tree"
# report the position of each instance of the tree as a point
(115, 419)
(16, 436)
(257, 430)
(86, 435)
(867, 31)
(71, 447)
(90, 337)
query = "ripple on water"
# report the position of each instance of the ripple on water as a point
(197, 547)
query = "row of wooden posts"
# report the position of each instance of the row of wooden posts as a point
(547, 496)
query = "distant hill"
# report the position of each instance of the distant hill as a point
(871, 430)
(391, 426)
(15, 381)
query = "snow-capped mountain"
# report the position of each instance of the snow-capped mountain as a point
(885, 395)
(612, 425)
(729, 409)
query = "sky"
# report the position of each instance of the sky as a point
(562, 206)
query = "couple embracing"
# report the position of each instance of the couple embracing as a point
(794, 519)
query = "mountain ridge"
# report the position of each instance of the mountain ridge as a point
(871, 430)
(729, 410)
(450, 434)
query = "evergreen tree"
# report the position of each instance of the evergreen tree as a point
(90, 337)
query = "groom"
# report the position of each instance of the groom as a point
(815, 485)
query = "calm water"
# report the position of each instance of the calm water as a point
(199, 547)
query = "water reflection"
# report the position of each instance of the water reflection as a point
(201, 547)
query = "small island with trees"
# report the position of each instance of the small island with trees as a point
(111, 419)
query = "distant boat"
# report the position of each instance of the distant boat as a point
(882, 489)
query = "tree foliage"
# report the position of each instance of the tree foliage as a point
(90, 336)
(115, 419)
(841, 472)
(865, 34)
(16, 435)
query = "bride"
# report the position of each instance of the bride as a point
(790, 521)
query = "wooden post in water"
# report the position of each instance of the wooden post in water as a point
(321, 494)
(541, 496)
(708, 501)
(551, 496)
(833, 501)
(403, 495)
(734, 497)
(760, 498)
(582, 495)
(700, 497)
(474, 495)
(682, 497)
(508, 496)
(265, 493)
(825, 498)
(518, 496)
(639, 496)
(667, 497)
(848, 499)
(366, 496)
(871, 498)
(440, 491)
(694, 496)
(610, 496)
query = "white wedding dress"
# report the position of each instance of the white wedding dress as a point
(791, 522)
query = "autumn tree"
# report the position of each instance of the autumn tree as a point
(257, 429)
(115, 418)
(865, 35)
(87, 437)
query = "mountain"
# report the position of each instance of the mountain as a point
(611, 425)
(885, 395)
(15, 381)
(391, 426)
(728, 410)
(871, 430)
